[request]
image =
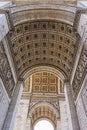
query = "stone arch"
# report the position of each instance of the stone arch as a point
(43, 111)
(48, 69)
(52, 123)
(56, 110)
(38, 46)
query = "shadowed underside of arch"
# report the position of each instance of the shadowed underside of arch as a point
(44, 112)
(46, 39)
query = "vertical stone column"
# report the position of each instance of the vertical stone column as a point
(30, 84)
(71, 109)
(28, 124)
(58, 125)
(11, 115)
(21, 116)
(63, 115)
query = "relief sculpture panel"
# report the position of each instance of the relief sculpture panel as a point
(81, 71)
(5, 71)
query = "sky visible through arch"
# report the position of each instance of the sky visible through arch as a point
(43, 125)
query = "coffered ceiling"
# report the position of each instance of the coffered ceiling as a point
(43, 82)
(49, 43)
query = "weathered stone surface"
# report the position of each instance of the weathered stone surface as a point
(5, 71)
(21, 116)
(3, 26)
(81, 71)
(63, 115)
(81, 107)
(4, 104)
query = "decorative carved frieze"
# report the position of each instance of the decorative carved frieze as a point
(5, 71)
(51, 100)
(81, 71)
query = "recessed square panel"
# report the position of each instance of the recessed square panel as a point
(52, 80)
(36, 88)
(44, 88)
(36, 80)
(44, 80)
(52, 88)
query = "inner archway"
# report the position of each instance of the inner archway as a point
(43, 125)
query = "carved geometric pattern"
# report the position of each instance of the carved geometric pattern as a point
(81, 71)
(44, 83)
(5, 71)
(43, 43)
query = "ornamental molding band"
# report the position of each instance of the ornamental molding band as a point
(47, 43)
(23, 2)
(81, 72)
(5, 71)
(63, 13)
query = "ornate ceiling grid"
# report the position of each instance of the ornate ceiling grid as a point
(43, 82)
(44, 43)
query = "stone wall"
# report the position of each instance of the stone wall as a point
(81, 101)
(63, 115)
(21, 117)
(81, 106)
(3, 26)
(4, 104)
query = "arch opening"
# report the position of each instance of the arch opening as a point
(43, 125)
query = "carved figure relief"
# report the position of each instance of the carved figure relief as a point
(5, 71)
(80, 72)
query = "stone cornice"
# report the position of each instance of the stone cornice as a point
(8, 17)
(43, 6)
(79, 11)
(62, 13)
